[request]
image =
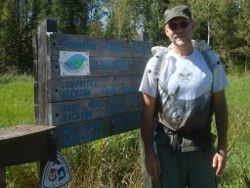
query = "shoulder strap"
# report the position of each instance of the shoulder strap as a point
(208, 60)
(159, 53)
(209, 64)
(205, 49)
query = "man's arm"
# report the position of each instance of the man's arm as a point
(221, 119)
(147, 129)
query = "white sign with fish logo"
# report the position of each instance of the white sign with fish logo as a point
(74, 63)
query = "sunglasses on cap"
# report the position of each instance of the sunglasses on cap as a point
(174, 25)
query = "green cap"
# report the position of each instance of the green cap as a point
(179, 11)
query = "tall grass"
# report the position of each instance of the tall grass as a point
(111, 162)
(17, 107)
(237, 172)
(16, 96)
(115, 161)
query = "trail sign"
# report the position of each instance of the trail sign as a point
(56, 173)
(87, 86)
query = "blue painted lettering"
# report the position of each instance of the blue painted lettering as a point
(119, 81)
(75, 93)
(77, 116)
(86, 115)
(71, 117)
(114, 110)
(86, 127)
(110, 65)
(115, 47)
(70, 107)
(97, 104)
(137, 81)
(129, 89)
(71, 141)
(82, 138)
(67, 132)
(78, 84)
(78, 44)
(140, 47)
(108, 91)
(112, 102)
(125, 120)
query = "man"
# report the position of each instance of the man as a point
(184, 95)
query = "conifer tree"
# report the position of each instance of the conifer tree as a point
(242, 33)
(9, 35)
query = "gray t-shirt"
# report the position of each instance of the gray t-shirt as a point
(185, 84)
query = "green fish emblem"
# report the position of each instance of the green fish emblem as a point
(75, 62)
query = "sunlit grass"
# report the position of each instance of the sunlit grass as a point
(17, 101)
(237, 172)
(115, 161)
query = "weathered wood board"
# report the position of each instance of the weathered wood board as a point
(100, 47)
(100, 101)
(26, 143)
(95, 108)
(91, 87)
(84, 131)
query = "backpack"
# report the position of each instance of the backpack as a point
(159, 52)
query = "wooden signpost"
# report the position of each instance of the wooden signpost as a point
(26, 143)
(23, 144)
(87, 86)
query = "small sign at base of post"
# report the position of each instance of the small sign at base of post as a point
(56, 173)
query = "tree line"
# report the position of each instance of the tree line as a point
(228, 20)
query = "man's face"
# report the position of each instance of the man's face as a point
(180, 30)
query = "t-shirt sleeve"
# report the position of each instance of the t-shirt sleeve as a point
(220, 79)
(219, 76)
(149, 82)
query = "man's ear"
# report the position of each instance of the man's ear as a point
(166, 30)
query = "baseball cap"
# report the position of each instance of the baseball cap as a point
(178, 11)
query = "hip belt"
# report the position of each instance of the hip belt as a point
(165, 136)
(179, 141)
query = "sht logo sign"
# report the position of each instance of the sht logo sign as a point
(56, 174)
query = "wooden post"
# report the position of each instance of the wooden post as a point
(41, 51)
(35, 66)
(2, 177)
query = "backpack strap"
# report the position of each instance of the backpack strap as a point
(211, 62)
(160, 52)
(205, 49)
(211, 65)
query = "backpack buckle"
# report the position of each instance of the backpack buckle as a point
(175, 142)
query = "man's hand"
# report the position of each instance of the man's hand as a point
(153, 166)
(147, 128)
(221, 118)
(219, 161)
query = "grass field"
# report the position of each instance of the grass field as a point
(115, 161)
